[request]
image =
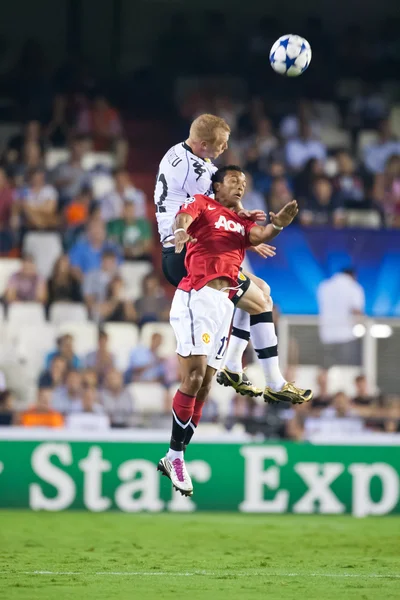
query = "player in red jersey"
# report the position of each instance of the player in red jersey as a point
(201, 311)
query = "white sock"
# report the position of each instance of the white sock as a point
(265, 342)
(238, 341)
(173, 454)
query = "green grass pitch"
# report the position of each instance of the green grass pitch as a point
(86, 556)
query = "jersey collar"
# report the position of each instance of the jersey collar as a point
(188, 148)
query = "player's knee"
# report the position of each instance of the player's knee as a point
(204, 391)
(193, 380)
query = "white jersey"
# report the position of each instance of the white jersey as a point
(181, 174)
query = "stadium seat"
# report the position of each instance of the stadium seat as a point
(45, 249)
(306, 376)
(370, 219)
(341, 379)
(93, 159)
(168, 345)
(335, 138)
(133, 273)
(85, 335)
(61, 312)
(54, 157)
(122, 338)
(365, 138)
(33, 343)
(102, 184)
(8, 266)
(147, 398)
(26, 313)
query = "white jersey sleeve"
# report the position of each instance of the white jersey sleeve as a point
(181, 174)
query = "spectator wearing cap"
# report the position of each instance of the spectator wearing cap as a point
(26, 285)
(42, 414)
(65, 349)
(133, 234)
(86, 254)
(37, 203)
(112, 204)
(341, 303)
(101, 360)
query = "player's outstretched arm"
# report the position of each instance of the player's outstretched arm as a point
(259, 234)
(181, 224)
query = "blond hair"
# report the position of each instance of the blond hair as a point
(205, 128)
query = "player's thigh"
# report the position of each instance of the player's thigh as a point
(193, 369)
(254, 301)
(216, 358)
(260, 283)
(173, 266)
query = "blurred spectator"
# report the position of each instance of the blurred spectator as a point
(116, 400)
(92, 415)
(152, 304)
(103, 124)
(42, 413)
(386, 190)
(303, 182)
(145, 363)
(101, 360)
(112, 204)
(377, 154)
(349, 187)
(86, 254)
(67, 398)
(253, 113)
(77, 214)
(26, 285)
(70, 177)
(264, 139)
(280, 194)
(37, 203)
(341, 302)
(63, 285)
(321, 398)
(65, 348)
(338, 419)
(32, 133)
(363, 401)
(89, 377)
(300, 149)
(54, 375)
(116, 306)
(6, 203)
(253, 199)
(133, 234)
(31, 159)
(320, 208)
(96, 281)
(7, 414)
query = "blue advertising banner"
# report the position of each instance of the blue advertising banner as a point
(307, 256)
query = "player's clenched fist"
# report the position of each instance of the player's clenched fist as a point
(286, 215)
(181, 238)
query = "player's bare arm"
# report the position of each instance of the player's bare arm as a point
(181, 224)
(285, 216)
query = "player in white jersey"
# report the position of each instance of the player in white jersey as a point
(185, 170)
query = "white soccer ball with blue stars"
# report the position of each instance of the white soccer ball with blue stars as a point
(290, 55)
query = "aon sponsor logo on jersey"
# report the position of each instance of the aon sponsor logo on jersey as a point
(229, 225)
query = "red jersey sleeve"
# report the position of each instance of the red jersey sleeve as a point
(193, 206)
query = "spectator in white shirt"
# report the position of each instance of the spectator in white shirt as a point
(37, 203)
(92, 415)
(67, 398)
(341, 300)
(112, 204)
(377, 154)
(299, 150)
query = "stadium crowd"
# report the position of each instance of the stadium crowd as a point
(67, 172)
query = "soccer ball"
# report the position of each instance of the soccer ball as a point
(290, 55)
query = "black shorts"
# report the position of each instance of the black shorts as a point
(173, 266)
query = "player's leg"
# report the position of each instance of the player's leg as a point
(257, 302)
(173, 265)
(201, 397)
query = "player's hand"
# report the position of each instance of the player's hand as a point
(264, 250)
(252, 215)
(286, 215)
(182, 238)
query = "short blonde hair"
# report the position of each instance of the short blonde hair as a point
(205, 128)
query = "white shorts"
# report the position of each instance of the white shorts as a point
(201, 322)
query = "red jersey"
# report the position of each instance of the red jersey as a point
(222, 238)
